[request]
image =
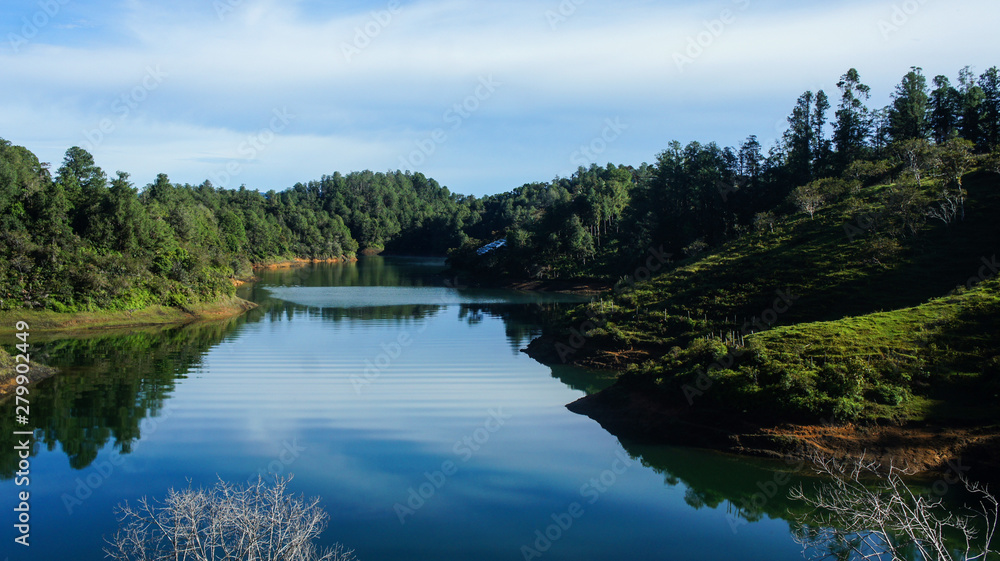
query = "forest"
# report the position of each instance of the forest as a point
(78, 240)
(81, 242)
(604, 221)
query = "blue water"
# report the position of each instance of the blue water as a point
(401, 402)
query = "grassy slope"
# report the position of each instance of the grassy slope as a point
(939, 361)
(917, 360)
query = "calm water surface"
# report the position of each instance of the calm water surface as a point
(400, 400)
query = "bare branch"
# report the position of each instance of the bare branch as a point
(227, 522)
(867, 511)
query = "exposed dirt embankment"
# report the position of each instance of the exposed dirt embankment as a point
(298, 261)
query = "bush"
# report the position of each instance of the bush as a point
(834, 190)
(846, 409)
(57, 306)
(885, 394)
(177, 300)
(840, 381)
(871, 172)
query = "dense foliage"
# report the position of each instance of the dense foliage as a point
(851, 242)
(81, 242)
(77, 240)
(603, 221)
(876, 307)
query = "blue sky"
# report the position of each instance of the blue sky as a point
(482, 96)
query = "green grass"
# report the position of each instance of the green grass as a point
(48, 320)
(939, 361)
(6, 367)
(868, 337)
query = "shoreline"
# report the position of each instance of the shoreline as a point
(295, 262)
(587, 287)
(631, 413)
(631, 409)
(47, 321)
(47, 324)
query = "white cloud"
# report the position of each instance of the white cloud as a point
(223, 78)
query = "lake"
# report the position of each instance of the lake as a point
(403, 402)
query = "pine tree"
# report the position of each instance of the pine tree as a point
(989, 83)
(945, 106)
(908, 112)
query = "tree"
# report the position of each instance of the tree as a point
(819, 144)
(22, 177)
(954, 160)
(125, 222)
(945, 105)
(905, 206)
(908, 112)
(989, 83)
(799, 138)
(808, 198)
(260, 522)
(991, 161)
(52, 218)
(232, 231)
(854, 518)
(80, 164)
(750, 158)
(971, 98)
(880, 131)
(917, 156)
(160, 190)
(578, 241)
(853, 122)
(763, 220)
(86, 187)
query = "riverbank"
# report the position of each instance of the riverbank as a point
(637, 408)
(798, 390)
(50, 321)
(632, 410)
(8, 373)
(286, 264)
(585, 287)
(47, 325)
(297, 262)
(798, 340)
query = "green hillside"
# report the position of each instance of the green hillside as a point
(848, 315)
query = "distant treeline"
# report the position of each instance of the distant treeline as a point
(603, 221)
(79, 240)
